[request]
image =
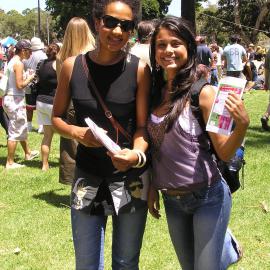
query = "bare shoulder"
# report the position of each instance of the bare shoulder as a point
(69, 62)
(18, 63)
(207, 95)
(67, 67)
(143, 68)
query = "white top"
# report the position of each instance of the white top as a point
(12, 88)
(141, 51)
(34, 59)
(186, 120)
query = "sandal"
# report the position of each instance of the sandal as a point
(33, 154)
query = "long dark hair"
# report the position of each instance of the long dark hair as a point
(185, 76)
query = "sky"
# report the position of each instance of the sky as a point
(175, 7)
(20, 5)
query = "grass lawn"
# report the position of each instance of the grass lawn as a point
(34, 211)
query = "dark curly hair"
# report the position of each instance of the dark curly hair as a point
(185, 76)
(52, 50)
(100, 5)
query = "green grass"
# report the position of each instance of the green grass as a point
(34, 211)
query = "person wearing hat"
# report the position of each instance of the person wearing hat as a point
(38, 54)
(14, 105)
(251, 52)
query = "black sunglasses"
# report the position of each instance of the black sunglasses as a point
(112, 22)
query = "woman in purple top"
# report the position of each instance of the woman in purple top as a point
(197, 200)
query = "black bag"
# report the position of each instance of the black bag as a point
(34, 84)
(229, 170)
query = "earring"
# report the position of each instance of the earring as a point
(127, 52)
(157, 67)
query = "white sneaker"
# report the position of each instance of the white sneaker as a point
(14, 165)
(40, 129)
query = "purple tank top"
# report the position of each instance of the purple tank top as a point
(180, 160)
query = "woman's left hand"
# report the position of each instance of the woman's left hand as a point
(237, 110)
(124, 159)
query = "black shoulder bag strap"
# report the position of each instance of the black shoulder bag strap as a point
(195, 101)
(107, 112)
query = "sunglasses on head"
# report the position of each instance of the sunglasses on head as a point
(133, 188)
(112, 22)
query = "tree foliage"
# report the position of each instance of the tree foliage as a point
(25, 24)
(64, 10)
(237, 16)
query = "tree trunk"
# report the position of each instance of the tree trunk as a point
(237, 20)
(264, 11)
(188, 11)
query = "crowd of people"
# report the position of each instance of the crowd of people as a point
(141, 98)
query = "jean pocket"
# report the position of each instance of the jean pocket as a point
(209, 191)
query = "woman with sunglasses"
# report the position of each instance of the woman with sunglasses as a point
(123, 81)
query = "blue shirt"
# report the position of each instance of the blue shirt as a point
(204, 55)
(234, 54)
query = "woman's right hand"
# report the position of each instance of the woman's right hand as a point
(84, 136)
(153, 202)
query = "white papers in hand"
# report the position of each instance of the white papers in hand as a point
(220, 120)
(102, 136)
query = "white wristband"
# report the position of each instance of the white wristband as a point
(142, 158)
(139, 160)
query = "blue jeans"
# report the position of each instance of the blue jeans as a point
(89, 233)
(197, 225)
(214, 77)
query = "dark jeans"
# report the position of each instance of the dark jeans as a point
(197, 226)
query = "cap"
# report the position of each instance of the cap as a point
(251, 45)
(36, 44)
(23, 44)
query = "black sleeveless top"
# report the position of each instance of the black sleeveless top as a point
(117, 85)
(47, 83)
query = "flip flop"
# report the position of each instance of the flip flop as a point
(33, 154)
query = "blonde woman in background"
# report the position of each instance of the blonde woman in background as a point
(78, 39)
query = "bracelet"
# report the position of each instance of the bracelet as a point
(141, 159)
